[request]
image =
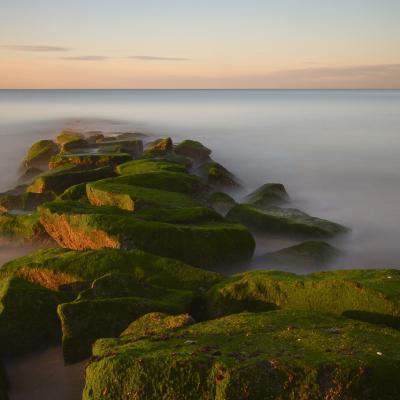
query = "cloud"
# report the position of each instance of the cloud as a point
(157, 58)
(37, 48)
(86, 58)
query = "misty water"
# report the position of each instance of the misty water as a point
(337, 153)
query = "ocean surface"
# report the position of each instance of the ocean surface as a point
(337, 152)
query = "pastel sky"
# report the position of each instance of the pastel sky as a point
(200, 44)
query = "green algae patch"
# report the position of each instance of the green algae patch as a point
(193, 149)
(284, 221)
(310, 254)
(370, 295)
(39, 154)
(75, 193)
(79, 226)
(21, 228)
(269, 194)
(90, 265)
(28, 315)
(26, 201)
(276, 355)
(60, 179)
(149, 165)
(68, 136)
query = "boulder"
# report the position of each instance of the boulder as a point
(28, 315)
(275, 355)
(370, 295)
(75, 193)
(269, 194)
(159, 147)
(29, 174)
(59, 179)
(310, 254)
(39, 155)
(221, 202)
(66, 136)
(132, 147)
(74, 144)
(288, 222)
(23, 202)
(149, 165)
(95, 137)
(193, 149)
(216, 175)
(210, 244)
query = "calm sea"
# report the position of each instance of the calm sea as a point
(337, 152)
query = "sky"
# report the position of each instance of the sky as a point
(199, 44)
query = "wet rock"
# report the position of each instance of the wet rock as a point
(132, 147)
(23, 202)
(217, 175)
(193, 149)
(149, 165)
(159, 147)
(39, 155)
(269, 194)
(221, 202)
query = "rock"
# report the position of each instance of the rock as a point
(95, 137)
(75, 193)
(29, 174)
(59, 179)
(21, 228)
(284, 221)
(361, 294)
(23, 202)
(193, 149)
(221, 202)
(149, 165)
(39, 155)
(68, 136)
(217, 175)
(89, 160)
(132, 147)
(209, 244)
(28, 315)
(269, 194)
(159, 147)
(310, 254)
(74, 144)
(130, 136)
(157, 323)
(250, 356)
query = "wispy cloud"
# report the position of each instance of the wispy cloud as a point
(86, 58)
(158, 58)
(36, 48)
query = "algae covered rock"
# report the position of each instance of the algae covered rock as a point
(284, 221)
(133, 147)
(221, 202)
(370, 295)
(39, 154)
(269, 194)
(210, 244)
(159, 147)
(217, 175)
(193, 149)
(276, 355)
(66, 136)
(74, 144)
(75, 193)
(149, 165)
(311, 254)
(26, 201)
(63, 177)
(28, 315)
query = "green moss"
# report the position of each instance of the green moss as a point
(68, 136)
(281, 355)
(132, 147)
(79, 226)
(193, 149)
(60, 179)
(284, 221)
(25, 201)
(74, 144)
(89, 265)
(267, 195)
(149, 165)
(39, 154)
(217, 175)
(310, 254)
(75, 193)
(92, 160)
(27, 315)
(22, 227)
(367, 295)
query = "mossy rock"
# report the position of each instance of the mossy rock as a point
(149, 165)
(39, 154)
(84, 321)
(95, 137)
(90, 265)
(284, 222)
(280, 355)
(21, 228)
(68, 136)
(370, 295)
(159, 147)
(269, 194)
(28, 315)
(75, 193)
(157, 323)
(221, 202)
(75, 144)
(89, 160)
(193, 149)
(310, 254)
(217, 175)
(29, 174)
(133, 147)
(63, 177)
(25, 201)
(79, 226)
